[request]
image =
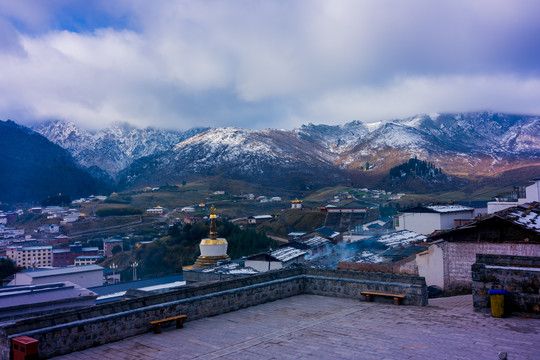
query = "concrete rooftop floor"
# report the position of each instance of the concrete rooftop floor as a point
(317, 327)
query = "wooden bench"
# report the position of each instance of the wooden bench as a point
(369, 296)
(157, 323)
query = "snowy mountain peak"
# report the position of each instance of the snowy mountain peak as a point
(114, 148)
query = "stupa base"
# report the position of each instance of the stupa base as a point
(205, 261)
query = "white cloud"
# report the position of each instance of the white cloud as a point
(422, 95)
(270, 63)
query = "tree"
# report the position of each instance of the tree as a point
(7, 268)
(116, 249)
(58, 200)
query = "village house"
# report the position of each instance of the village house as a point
(427, 219)
(520, 195)
(10, 233)
(447, 261)
(295, 235)
(49, 229)
(258, 219)
(276, 259)
(314, 246)
(325, 232)
(347, 217)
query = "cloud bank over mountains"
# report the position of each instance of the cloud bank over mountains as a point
(260, 64)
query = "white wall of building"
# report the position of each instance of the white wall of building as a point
(263, 266)
(494, 206)
(422, 223)
(447, 219)
(532, 192)
(430, 265)
(426, 223)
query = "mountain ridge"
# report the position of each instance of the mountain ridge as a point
(113, 148)
(475, 144)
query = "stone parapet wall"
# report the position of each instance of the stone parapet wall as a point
(76, 330)
(459, 257)
(518, 275)
(509, 260)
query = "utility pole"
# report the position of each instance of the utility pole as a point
(134, 267)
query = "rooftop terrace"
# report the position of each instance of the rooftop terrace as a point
(313, 327)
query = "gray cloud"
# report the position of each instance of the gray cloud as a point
(260, 64)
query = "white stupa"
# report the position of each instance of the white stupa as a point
(213, 249)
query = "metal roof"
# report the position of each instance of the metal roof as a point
(314, 241)
(13, 296)
(138, 284)
(440, 209)
(63, 271)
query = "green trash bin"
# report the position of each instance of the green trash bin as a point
(497, 302)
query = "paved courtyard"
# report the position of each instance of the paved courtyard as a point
(317, 327)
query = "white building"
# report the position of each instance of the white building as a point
(10, 233)
(49, 228)
(521, 195)
(427, 219)
(276, 259)
(85, 276)
(156, 210)
(296, 204)
(257, 219)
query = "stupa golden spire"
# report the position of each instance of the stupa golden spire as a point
(213, 229)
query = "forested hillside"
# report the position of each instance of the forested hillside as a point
(33, 168)
(181, 247)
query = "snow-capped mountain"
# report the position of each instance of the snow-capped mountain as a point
(462, 144)
(114, 148)
(263, 156)
(468, 144)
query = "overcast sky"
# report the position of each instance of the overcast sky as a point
(265, 64)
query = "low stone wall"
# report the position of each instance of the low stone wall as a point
(350, 284)
(519, 275)
(76, 330)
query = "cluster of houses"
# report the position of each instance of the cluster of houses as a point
(438, 242)
(365, 194)
(59, 253)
